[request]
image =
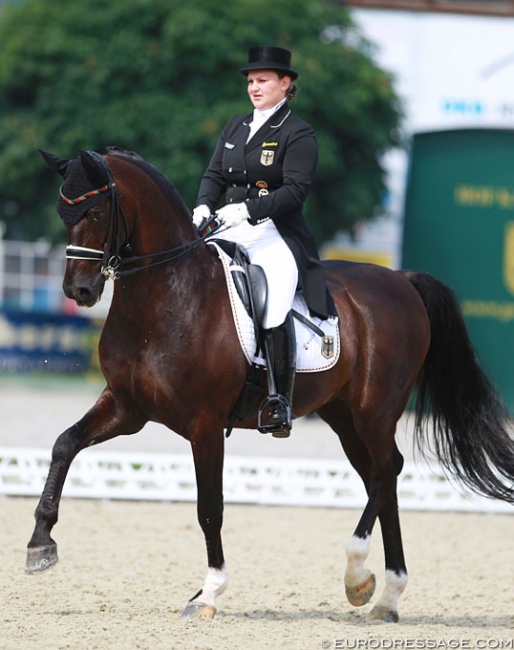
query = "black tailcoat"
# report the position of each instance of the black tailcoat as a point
(272, 174)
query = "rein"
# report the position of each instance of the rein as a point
(112, 256)
(113, 268)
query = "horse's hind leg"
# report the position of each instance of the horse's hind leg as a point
(208, 458)
(386, 463)
(379, 476)
(359, 581)
(104, 421)
(386, 608)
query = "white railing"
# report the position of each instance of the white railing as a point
(31, 276)
(265, 481)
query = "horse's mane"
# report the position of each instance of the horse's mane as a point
(164, 184)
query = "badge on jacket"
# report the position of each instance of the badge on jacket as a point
(267, 157)
(263, 188)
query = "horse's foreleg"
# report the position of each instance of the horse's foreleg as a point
(203, 603)
(42, 549)
(103, 422)
(208, 457)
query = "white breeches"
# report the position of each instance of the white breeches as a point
(265, 247)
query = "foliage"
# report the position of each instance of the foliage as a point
(160, 77)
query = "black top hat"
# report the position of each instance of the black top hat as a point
(269, 58)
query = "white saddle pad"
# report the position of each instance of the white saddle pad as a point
(314, 353)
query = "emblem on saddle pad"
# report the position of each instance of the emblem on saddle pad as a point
(327, 347)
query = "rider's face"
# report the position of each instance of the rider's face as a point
(266, 89)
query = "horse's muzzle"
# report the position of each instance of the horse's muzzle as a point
(85, 289)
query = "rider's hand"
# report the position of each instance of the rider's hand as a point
(200, 213)
(233, 214)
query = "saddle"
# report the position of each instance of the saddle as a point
(249, 280)
(252, 287)
(250, 284)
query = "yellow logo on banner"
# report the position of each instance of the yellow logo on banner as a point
(508, 257)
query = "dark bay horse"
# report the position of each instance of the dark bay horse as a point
(170, 354)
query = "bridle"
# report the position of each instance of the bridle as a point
(114, 256)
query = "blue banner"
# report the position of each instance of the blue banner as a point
(46, 342)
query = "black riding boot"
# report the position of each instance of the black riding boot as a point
(280, 349)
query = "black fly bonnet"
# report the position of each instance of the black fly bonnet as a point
(79, 192)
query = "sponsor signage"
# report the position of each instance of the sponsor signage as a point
(46, 342)
(459, 226)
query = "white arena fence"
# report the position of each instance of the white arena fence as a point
(251, 480)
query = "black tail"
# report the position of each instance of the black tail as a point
(469, 420)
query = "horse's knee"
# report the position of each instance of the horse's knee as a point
(67, 445)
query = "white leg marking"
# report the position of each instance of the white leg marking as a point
(357, 551)
(394, 587)
(215, 584)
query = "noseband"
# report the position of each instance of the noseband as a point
(114, 253)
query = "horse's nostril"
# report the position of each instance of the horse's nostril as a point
(82, 294)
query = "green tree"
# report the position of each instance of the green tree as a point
(160, 77)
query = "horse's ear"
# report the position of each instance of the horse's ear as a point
(96, 169)
(59, 165)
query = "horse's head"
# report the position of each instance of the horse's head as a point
(109, 213)
(88, 206)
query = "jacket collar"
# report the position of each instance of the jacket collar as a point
(276, 120)
(274, 123)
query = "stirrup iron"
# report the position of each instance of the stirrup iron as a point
(277, 430)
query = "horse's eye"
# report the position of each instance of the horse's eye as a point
(96, 214)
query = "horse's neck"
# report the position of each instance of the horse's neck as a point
(160, 219)
(167, 228)
(161, 231)
(172, 289)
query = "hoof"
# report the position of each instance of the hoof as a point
(198, 610)
(383, 614)
(361, 594)
(41, 558)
